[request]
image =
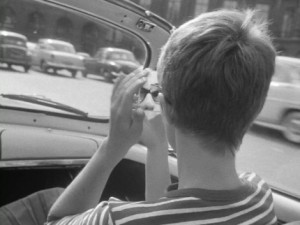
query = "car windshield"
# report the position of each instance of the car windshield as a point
(62, 47)
(75, 80)
(11, 40)
(79, 85)
(120, 56)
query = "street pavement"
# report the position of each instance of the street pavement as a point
(263, 150)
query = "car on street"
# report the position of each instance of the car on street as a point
(110, 62)
(281, 110)
(55, 55)
(50, 126)
(13, 49)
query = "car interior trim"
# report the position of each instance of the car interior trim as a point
(141, 11)
(286, 207)
(42, 163)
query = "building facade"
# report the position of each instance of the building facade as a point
(35, 22)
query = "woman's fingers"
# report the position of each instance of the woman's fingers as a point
(124, 81)
(117, 84)
(128, 98)
(127, 86)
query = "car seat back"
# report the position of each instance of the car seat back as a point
(30, 210)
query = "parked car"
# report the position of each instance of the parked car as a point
(281, 110)
(13, 49)
(57, 55)
(110, 62)
(50, 126)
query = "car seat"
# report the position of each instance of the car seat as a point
(30, 210)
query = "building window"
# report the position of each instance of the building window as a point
(89, 38)
(262, 11)
(173, 14)
(36, 25)
(7, 18)
(64, 29)
(201, 6)
(229, 4)
(287, 23)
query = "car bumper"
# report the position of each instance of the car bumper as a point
(64, 66)
(19, 62)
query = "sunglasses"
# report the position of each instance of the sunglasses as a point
(154, 91)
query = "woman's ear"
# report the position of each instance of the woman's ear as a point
(162, 102)
(170, 129)
(163, 106)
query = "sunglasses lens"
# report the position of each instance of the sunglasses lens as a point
(142, 94)
(154, 91)
(155, 96)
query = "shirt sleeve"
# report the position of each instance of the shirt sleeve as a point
(95, 216)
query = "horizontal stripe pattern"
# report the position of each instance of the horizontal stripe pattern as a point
(96, 216)
(256, 208)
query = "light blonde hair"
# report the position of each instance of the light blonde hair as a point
(216, 70)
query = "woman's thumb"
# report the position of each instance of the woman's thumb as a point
(138, 117)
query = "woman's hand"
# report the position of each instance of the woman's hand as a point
(126, 119)
(153, 135)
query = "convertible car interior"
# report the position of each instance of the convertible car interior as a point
(51, 123)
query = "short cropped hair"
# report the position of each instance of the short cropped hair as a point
(216, 71)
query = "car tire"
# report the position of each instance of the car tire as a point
(73, 72)
(44, 67)
(84, 73)
(291, 127)
(26, 68)
(107, 76)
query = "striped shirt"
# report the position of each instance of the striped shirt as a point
(252, 203)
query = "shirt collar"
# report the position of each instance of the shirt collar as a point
(211, 195)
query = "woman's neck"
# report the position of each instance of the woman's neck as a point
(200, 168)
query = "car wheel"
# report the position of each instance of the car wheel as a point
(44, 67)
(73, 72)
(84, 73)
(107, 76)
(291, 127)
(26, 68)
